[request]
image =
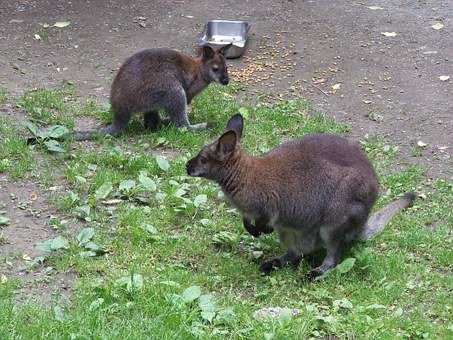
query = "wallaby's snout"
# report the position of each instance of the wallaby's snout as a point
(225, 80)
(191, 167)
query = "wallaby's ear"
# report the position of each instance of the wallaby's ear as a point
(226, 144)
(207, 52)
(236, 123)
(225, 49)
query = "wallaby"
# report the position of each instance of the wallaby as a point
(165, 79)
(316, 192)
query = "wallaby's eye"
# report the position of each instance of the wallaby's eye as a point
(203, 160)
(215, 68)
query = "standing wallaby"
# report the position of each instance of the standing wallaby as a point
(316, 192)
(164, 79)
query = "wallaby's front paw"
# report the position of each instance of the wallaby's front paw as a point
(252, 230)
(312, 275)
(269, 266)
(200, 126)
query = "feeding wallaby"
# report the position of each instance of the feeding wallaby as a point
(316, 192)
(165, 79)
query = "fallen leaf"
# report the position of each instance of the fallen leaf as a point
(421, 144)
(275, 312)
(3, 279)
(4, 220)
(37, 37)
(374, 8)
(367, 101)
(112, 201)
(444, 78)
(438, 26)
(389, 34)
(62, 24)
(319, 81)
(336, 87)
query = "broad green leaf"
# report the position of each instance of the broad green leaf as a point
(53, 244)
(85, 235)
(4, 220)
(191, 294)
(53, 145)
(126, 185)
(33, 129)
(162, 163)
(346, 265)
(146, 182)
(209, 316)
(94, 248)
(180, 192)
(59, 243)
(225, 315)
(103, 191)
(200, 200)
(88, 253)
(83, 211)
(244, 112)
(136, 282)
(131, 282)
(206, 303)
(96, 304)
(149, 228)
(343, 303)
(56, 131)
(58, 313)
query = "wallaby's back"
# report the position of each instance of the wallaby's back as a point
(152, 72)
(315, 173)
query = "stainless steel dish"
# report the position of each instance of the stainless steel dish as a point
(218, 33)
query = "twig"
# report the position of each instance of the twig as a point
(319, 89)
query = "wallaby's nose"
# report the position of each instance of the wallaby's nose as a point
(189, 168)
(224, 81)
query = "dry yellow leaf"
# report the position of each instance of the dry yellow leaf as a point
(438, 26)
(444, 78)
(389, 34)
(62, 24)
(375, 7)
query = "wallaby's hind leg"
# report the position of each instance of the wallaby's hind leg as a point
(120, 120)
(176, 107)
(152, 120)
(289, 258)
(333, 257)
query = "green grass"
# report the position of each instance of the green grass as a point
(399, 287)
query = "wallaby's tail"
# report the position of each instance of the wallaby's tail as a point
(379, 219)
(88, 135)
(84, 135)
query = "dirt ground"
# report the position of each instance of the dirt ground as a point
(390, 86)
(385, 86)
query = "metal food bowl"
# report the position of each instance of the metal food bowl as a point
(218, 33)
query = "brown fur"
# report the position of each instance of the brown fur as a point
(161, 79)
(316, 192)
